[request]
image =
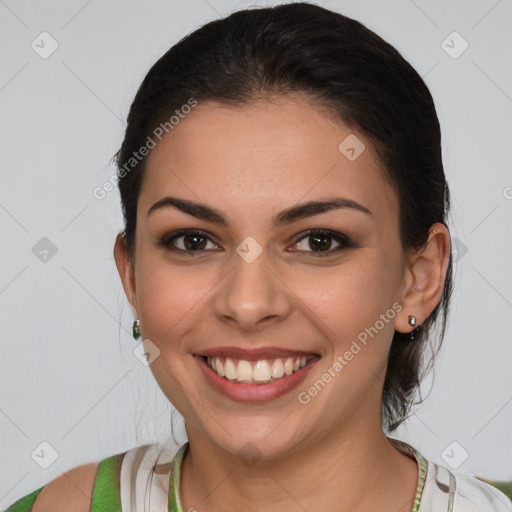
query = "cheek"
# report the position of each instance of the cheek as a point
(348, 295)
(170, 300)
(352, 306)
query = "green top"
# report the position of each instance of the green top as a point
(25, 504)
(106, 493)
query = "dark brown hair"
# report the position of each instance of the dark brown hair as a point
(343, 68)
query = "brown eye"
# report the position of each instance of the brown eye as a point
(186, 241)
(320, 242)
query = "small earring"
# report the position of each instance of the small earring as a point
(412, 321)
(136, 331)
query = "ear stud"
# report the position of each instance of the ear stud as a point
(136, 331)
(412, 321)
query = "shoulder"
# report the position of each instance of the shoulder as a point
(75, 490)
(127, 477)
(475, 495)
(446, 490)
(70, 492)
(123, 477)
(449, 490)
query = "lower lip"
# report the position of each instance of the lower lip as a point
(254, 392)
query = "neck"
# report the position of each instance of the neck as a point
(359, 472)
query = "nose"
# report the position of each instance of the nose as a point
(252, 295)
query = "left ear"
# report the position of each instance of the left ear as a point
(424, 278)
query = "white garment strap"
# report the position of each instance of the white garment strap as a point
(128, 477)
(144, 478)
(439, 490)
(157, 497)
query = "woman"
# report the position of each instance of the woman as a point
(286, 256)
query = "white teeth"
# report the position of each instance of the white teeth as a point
(277, 369)
(218, 366)
(244, 371)
(230, 369)
(259, 372)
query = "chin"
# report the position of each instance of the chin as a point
(259, 443)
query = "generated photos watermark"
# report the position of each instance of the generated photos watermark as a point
(158, 133)
(344, 359)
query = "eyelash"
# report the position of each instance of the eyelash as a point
(344, 241)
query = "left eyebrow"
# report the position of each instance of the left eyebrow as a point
(287, 216)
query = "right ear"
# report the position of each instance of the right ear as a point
(125, 271)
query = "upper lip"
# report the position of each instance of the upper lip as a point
(254, 354)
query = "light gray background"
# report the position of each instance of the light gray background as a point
(68, 375)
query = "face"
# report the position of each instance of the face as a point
(250, 283)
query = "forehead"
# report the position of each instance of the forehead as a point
(265, 153)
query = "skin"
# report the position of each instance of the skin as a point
(251, 162)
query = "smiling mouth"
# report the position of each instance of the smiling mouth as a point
(262, 371)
